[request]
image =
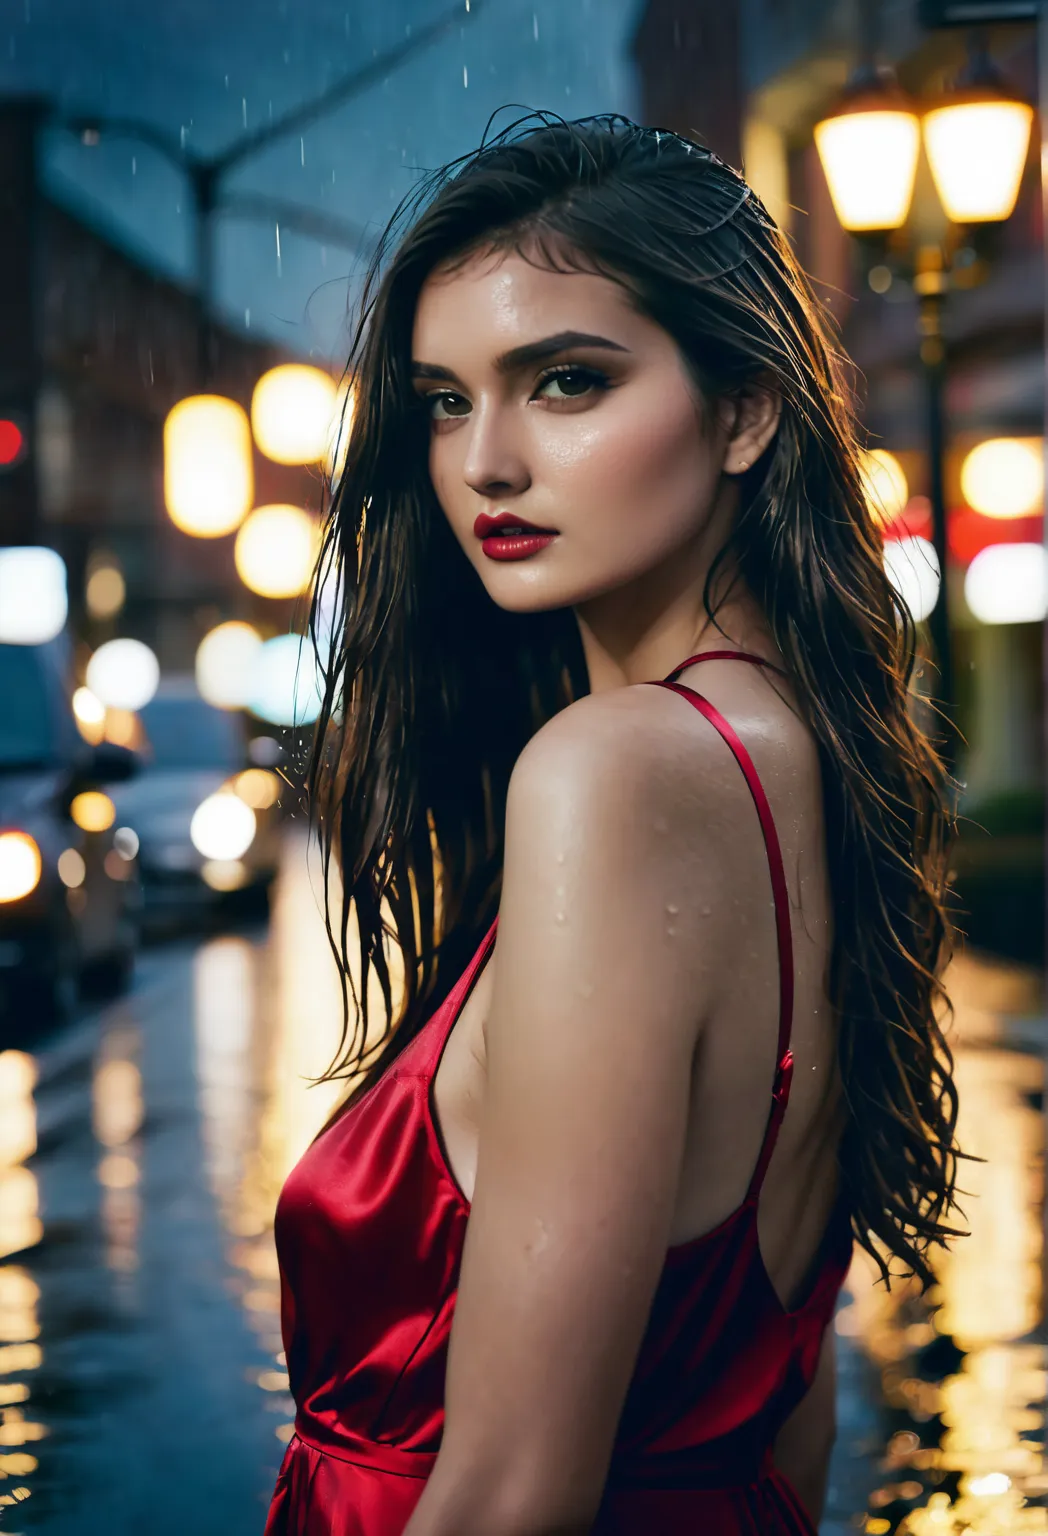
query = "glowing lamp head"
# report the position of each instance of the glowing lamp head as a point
(869, 150)
(977, 143)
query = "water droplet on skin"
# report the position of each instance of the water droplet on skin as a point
(560, 917)
(671, 909)
(560, 858)
(671, 932)
(661, 824)
(706, 911)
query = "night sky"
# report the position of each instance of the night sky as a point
(205, 67)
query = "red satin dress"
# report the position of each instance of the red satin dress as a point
(369, 1230)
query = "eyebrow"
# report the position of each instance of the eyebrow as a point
(530, 352)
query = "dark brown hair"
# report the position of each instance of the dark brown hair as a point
(431, 691)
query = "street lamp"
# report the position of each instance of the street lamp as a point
(976, 140)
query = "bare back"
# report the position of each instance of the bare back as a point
(735, 1056)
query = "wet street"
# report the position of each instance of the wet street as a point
(142, 1387)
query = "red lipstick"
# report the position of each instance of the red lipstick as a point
(506, 536)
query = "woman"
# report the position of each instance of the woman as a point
(602, 441)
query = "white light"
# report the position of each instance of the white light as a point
(125, 840)
(912, 567)
(989, 1484)
(222, 827)
(34, 602)
(1008, 584)
(124, 674)
(225, 662)
(287, 684)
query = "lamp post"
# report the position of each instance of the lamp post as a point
(976, 139)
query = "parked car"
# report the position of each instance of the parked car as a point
(205, 812)
(70, 896)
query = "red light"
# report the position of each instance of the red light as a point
(12, 441)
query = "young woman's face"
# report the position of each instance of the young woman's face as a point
(553, 402)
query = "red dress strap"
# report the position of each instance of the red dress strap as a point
(780, 893)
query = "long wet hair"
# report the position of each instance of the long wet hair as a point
(431, 691)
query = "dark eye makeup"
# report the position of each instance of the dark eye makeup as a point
(574, 380)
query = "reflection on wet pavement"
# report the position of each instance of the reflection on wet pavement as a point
(142, 1380)
(958, 1376)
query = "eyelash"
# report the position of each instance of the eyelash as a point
(597, 380)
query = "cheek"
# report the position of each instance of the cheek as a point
(649, 453)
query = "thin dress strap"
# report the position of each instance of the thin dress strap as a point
(780, 893)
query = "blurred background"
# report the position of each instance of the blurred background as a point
(189, 194)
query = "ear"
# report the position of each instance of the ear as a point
(751, 417)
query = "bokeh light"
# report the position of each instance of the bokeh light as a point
(258, 788)
(223, 827)
(884, 482)
(209, 480)
(20, 865)
(71, 868)
(291, 413)
(105, 591)
(276, 550)
(92, 811)
(1004, 477)
(124, 674)
(225, 660)
(912, 567)
(287, 684)
(1008, 584)
(34, 599)
(90, 715)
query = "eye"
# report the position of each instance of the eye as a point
(572, 382)
(447, 406)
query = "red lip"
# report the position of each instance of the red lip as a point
(486, 525)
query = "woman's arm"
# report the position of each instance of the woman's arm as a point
(602, 955)
(802, 1449)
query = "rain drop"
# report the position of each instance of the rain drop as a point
(535, 25)
(247, 319)
(302, 150)
(243, 109)
(465, 78)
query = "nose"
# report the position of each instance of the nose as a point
(494, 466)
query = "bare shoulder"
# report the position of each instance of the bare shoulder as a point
(627, 748)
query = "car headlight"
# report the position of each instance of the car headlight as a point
(20, 865)
(223, 827)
